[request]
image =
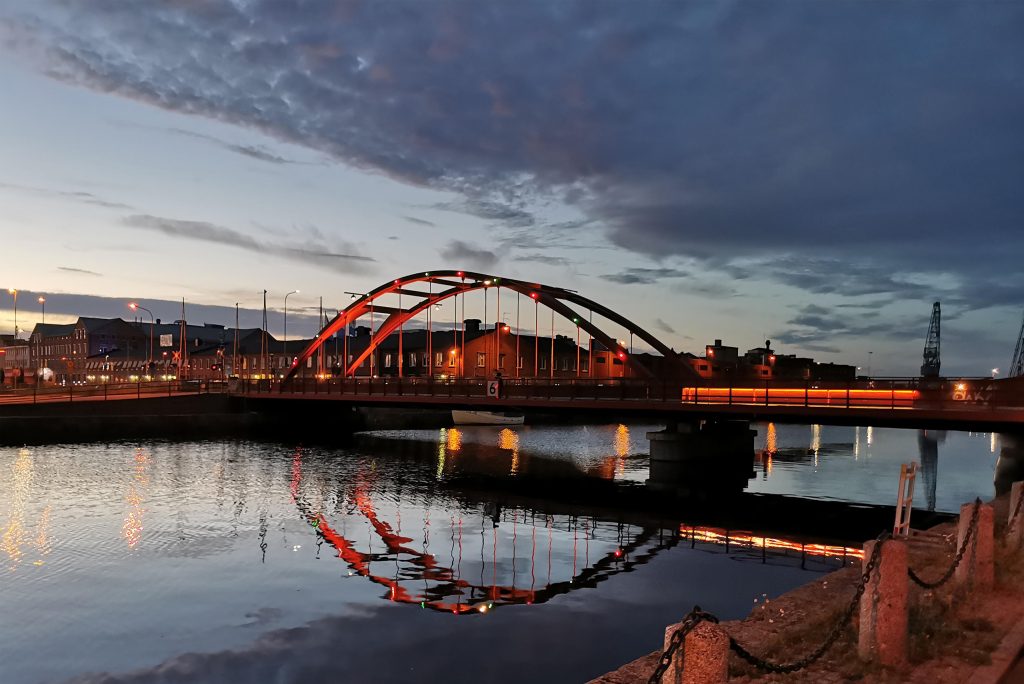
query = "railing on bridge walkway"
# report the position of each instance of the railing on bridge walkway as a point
(109, 391)
(471, 388)
(878, 393)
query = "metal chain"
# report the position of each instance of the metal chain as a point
(833, 635)
(971, 531)
(676, 641)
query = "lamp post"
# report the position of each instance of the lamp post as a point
(286, 326)
(135, 307)
(42, 305)
(14, 293)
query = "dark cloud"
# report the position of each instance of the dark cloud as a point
(460, 252)
(817, 328)
(312, 250)
(82, 271)
(716, 131)
(645, 276)
(490, 210)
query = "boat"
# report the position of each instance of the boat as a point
(486, 418)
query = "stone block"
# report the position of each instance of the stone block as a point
(1015, 525)
(977, 568)
(883, 606)
(705, 657)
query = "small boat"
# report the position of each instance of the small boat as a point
(486, 418)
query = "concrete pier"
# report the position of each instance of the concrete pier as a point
(698, 459)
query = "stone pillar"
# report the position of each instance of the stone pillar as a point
(883, 606)
(1015, 525)
(705, 656)
(977, 568)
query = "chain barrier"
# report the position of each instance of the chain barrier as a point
(833, 635)
(676, 641)
(696, 616)
(971, 531)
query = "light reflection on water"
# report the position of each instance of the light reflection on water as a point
(123, 556)
(862, 464)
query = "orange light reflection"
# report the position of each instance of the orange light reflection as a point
(716, 535)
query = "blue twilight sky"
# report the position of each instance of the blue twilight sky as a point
(812, 172)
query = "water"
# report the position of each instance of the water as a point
(251, 562)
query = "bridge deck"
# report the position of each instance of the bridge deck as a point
(898, 406)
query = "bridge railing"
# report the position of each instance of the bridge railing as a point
(39, 394)
(876, 393)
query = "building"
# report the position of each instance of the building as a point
(724, 365)
(475, 351)
(15, 361)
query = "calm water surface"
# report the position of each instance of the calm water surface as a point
(254, 562)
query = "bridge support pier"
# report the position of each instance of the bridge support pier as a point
(702, 459)
(1010, 464)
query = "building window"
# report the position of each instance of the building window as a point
(565, 364)
(451, 360)
(351, 358)
(543, 363)
(584, 366)
(481, 360)
(519, 364)
(387, 360)
(439, 359)
(412, 360)
(501, 360)
(426, 360)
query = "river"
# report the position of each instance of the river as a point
(237, 561)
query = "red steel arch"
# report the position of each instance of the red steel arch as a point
(462, 282)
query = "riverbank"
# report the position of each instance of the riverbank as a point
(954, 639)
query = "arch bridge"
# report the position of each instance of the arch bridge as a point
(421, 292)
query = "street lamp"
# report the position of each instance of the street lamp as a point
(133, 306)
(14, 293)
(286, 325)
(42, 305)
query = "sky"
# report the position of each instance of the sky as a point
(814, 173)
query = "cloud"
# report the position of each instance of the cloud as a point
(82, 271)
(257, 152)
(718, 132)
(312, 250)
(491, 210)
(419, 221)
(645, 276)
(817, 328)
(72, 195)
(461, 252)
(543, 259)
(663, 326)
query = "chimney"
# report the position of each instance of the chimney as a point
(472, 325)
(718, 343)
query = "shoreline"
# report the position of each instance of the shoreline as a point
(952, 641)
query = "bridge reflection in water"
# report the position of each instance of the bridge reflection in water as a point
(471, 565)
